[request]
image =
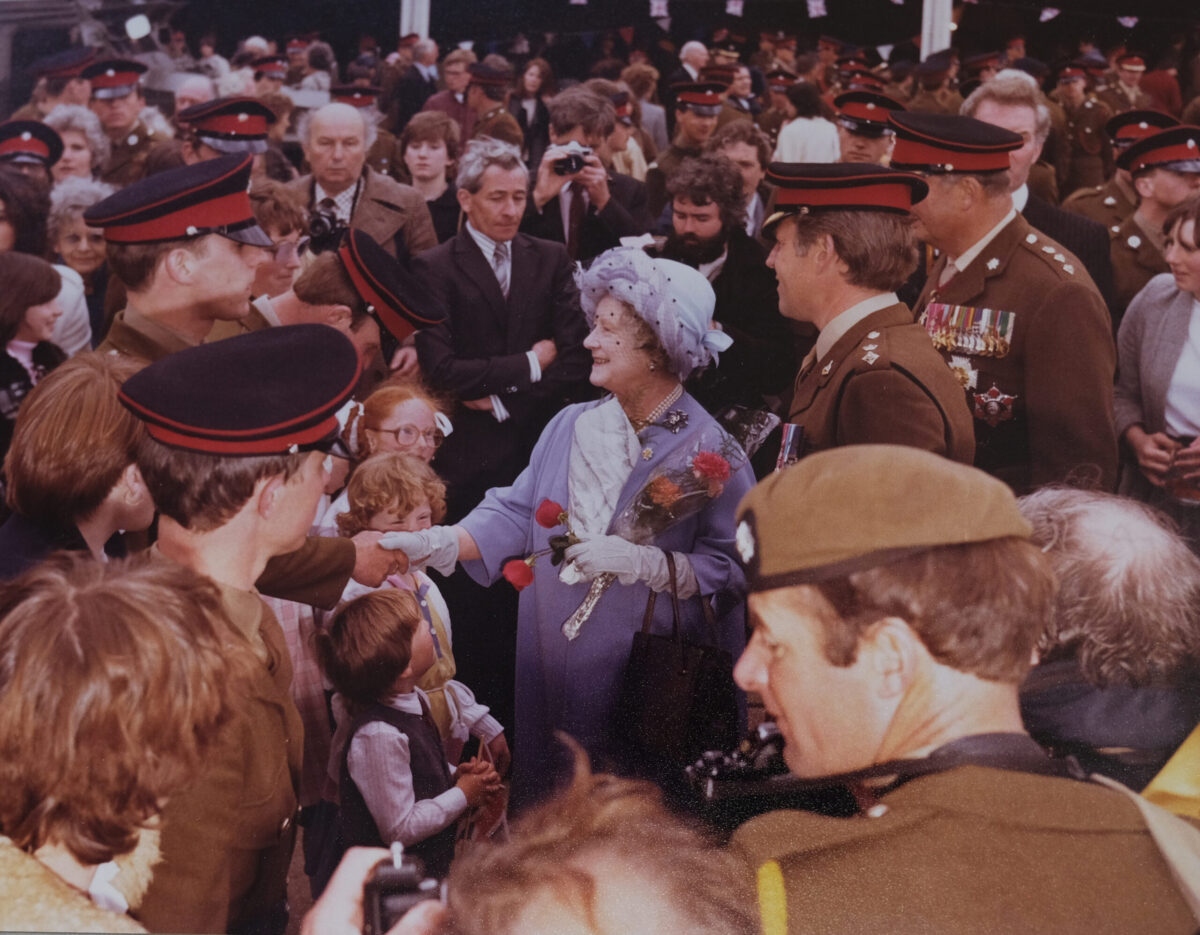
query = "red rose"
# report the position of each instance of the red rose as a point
(711, 466)
(518, 573)
(549, 514)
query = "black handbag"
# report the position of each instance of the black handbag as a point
(677, 698)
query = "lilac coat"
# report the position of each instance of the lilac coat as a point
(571, 685)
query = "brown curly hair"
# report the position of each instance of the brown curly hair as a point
(391, 481)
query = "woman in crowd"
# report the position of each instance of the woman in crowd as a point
(1157, 397)
(24, 209)
(532, 87)
(85, 146)
(28, 313)
(652, 124)
(319, 65)
(74, 418)
(103, 716)
(429, 147)
(650, 330)
(79, 247)
(808, 136)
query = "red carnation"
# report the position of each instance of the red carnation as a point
(518, 573)
(549, 514)
(711, 466)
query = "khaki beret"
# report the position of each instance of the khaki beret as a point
(860, 506)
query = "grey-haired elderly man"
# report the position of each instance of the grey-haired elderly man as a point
(336, 139)
(510, 353)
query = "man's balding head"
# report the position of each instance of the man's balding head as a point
(336, 138)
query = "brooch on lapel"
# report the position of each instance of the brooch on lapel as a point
(675, 421)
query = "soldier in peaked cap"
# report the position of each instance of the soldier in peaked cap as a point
(60, 81)
(933, 80)
(1004, 303)
(864, 133)
(1126, 92)
(775, 114)
(223, 126)
(843, 244)
(30, 147)
(697, 106)
(270, 72)
(185, 244)
(487, 95)
(117, 100)
(237, 473)
(1113, 202)
(1165, 169)
(896, 601)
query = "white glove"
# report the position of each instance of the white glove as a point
(632, 563)
(436, 547)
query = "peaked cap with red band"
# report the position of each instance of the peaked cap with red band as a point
(865, 112)
(701, 97)
(390, 290)
(945, 143)
(113, 77)
(68, 64)
(719, 74)
(210, 197)
(297, 45)
(230, 124)
(270, 66)
(270, 392)
(356, 95)
(807, 188)
(861, 78)
(1131, 63)
(29, 141)
(1134, 125)
(1175, 148)
(780, 79)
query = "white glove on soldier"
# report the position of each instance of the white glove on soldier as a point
(632, 563)
(436, 547)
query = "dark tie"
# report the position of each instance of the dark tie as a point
(575, 215)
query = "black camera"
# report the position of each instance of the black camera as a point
(394, 887)
(574, 160)
(325, 231)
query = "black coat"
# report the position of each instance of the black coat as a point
(409, 96)
(537, 131)
(480, 351)
(24, 542)
(761, 361)
(1085, 238)
(625, 215)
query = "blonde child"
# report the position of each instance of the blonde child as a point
(394, 781)
(399, 492)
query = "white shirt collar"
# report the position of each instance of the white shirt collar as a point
(429, 71)
(755, 209)
(712, 270)
(1021, 197)
(844, 321)
(691, 71)
(486, 245)
(968, 256)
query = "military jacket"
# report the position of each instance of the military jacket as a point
(1027, 333)
(1108, 204)
(1089, 152)
(127, 162)
(883, 383)
(1135, 261)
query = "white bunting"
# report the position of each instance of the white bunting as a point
(734, 7)
(658, 8)
(1127, 21)
(1048, 14)
(816, 9)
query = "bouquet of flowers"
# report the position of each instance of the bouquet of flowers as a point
(519, 571)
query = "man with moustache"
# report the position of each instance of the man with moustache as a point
(708, 216)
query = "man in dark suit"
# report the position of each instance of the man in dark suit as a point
(1012, 101)
(592, 209)
(510, 352)
(417, 85)
(708, 216)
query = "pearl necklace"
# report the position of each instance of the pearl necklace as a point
(657, 412)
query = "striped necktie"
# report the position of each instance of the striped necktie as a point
(500, 264)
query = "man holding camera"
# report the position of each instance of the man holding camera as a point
(577, 200)
(342, 191)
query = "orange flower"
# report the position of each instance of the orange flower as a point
(663, 492)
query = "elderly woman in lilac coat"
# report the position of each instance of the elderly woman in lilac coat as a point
(650, 322)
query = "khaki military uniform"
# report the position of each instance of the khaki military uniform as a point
(227, 838)
(1136, 259)
(127, 162)
(1109, 204)
(1119, 102)
(1089, 159)
(318, 571)
(499, 124)
(384, 156)
(882, 383)
(659, 171)
(972, 849)
(1029, 338)
(771, 121)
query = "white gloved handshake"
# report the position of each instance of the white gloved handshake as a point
(436, 547)
(631, 563)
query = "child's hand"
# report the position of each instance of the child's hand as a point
(478, 787)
